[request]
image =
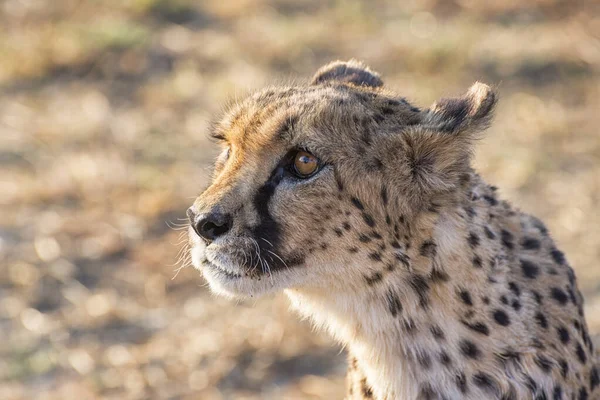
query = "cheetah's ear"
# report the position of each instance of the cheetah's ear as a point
(352, 71)
(471, 112)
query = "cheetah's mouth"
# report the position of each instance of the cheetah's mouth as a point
(219, 270)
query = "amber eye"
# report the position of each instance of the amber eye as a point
(305, 164)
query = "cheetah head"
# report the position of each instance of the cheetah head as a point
(313, 179)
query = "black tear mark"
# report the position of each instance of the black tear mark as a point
(268, 228)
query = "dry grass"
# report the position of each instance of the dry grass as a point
(103, 110)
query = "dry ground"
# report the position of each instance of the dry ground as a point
(103, 110)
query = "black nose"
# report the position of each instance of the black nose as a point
(211, 225)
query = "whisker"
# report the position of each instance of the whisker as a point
(262, 238)
(280, 259)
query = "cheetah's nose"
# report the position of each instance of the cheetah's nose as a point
(210, 225)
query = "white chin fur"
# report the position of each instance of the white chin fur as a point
(227, 286)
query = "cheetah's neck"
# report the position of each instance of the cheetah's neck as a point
(395, 347)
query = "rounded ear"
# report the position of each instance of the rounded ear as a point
(353, 72)
(472, 111)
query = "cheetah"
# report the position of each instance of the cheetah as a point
(365, 210)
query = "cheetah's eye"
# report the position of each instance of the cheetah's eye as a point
(305, 164)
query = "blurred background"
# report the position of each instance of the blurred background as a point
(104, 106)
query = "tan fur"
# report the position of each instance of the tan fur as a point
(438, 289)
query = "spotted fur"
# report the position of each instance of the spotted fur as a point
(438, 288)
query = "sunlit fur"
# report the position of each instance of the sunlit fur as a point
(437, 287)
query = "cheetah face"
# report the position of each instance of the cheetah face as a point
(310, 176)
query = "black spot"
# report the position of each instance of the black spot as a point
(353, 250)
(387, 110)
(346, 226)
(541, 396)
(366, 136)
(594, 378)
(366, 389)
(427, 393)
(559, 295)
(375, 164)
(537, 297)
(376, 277)
(504, 299)
(514, 288)
(394, 304)
(529, 243)
(563, 334)
(541, 320)
(564, 367)
(581, 353)
(428, 249)
(501, 318)
(539, 225)
(473, 240)
(558, 256)
(388, 220)
(530, 270)
(375, 256)
(445, 359)
(478, 327)
(583, 394)
(295, 258)
(376, 235)
(403, 258)
(531, 385)
(470, 211)
(490, 199)
(437, 332)
(409, 325)
(507, 239)
(439, 276)
(384, 195)
(396, 245)
(356, 202)
(364, 238)
(485, 382)
(557, 393)
(461, 383)
(469, 349)
(465, 296)
(516, 305)
(489, 233)
(508, 356)
(368, 220)
(486, 300)
(421, 287)
(378, 118)
(544, 363)
(424, 360)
